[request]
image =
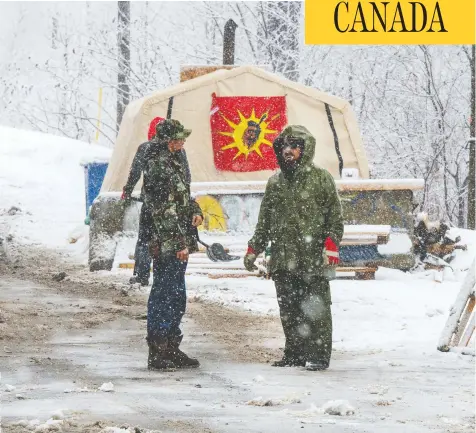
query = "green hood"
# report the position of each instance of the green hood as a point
(299, 211)
(297, 131)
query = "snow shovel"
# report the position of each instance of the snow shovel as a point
(215, 252)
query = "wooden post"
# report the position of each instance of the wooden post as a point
(229, 42)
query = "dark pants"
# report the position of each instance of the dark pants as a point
(141, 256)
(305, 310)
(167, 299)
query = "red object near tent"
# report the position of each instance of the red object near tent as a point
(153, 124)
(243, 130)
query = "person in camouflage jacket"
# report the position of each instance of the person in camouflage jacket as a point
(301, 216)
(175, 215)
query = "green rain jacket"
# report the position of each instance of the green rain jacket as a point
(300, 209)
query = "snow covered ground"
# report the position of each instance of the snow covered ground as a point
(385, 331)
(42, 198)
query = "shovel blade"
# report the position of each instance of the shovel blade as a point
(218, 252)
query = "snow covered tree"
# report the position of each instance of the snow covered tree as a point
(412, 102)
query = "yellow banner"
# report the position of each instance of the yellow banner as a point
(390, 22)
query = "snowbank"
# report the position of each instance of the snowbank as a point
(397, 311)
(42, 184)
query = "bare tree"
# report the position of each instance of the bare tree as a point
(123, 57)
(412, 102)
(472, 142)
(280, 27)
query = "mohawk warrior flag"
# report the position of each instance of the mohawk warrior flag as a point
(243, 130)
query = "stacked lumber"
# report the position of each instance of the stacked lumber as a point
(354, 235)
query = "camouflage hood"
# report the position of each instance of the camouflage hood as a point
(308, 148)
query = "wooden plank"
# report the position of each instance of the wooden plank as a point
(458, 309)
(367, 229)
(206, 266)
(189, 72)
(346, 241)
(380, 185)
(202, 249)
(468, 333)
(214, 265)
(350, 243)
(225, 275)
(209, 266)
(342, 185)
(368, 275)
(356, 269)
(465, 317)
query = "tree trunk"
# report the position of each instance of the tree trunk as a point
(472, 146)
(124, 58)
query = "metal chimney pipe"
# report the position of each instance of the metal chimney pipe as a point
(229, 42)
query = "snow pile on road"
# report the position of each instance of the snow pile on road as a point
(106, 387)
(42, 184)
(332, 407)
(338, 407)
(69, 390)
(50, 425)
(261, 401)
(53, 424)
(377, 389)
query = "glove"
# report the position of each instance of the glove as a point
(249, 260)
(332, 252)
(154, 248)
(125, 196)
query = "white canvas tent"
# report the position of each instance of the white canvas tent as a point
(192, 104)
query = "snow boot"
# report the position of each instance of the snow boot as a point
(287, 361)
(284, 362)
(316, 365)
(179, 358)
(135, 279)
(159, 354)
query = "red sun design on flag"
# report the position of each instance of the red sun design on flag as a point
(243, 130)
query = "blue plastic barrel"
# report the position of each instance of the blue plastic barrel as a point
(94, 173)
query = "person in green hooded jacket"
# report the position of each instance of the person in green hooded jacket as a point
(301, 216)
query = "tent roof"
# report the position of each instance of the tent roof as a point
(191, 105)
(144, 104)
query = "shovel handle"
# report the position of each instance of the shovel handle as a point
(195, 232)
